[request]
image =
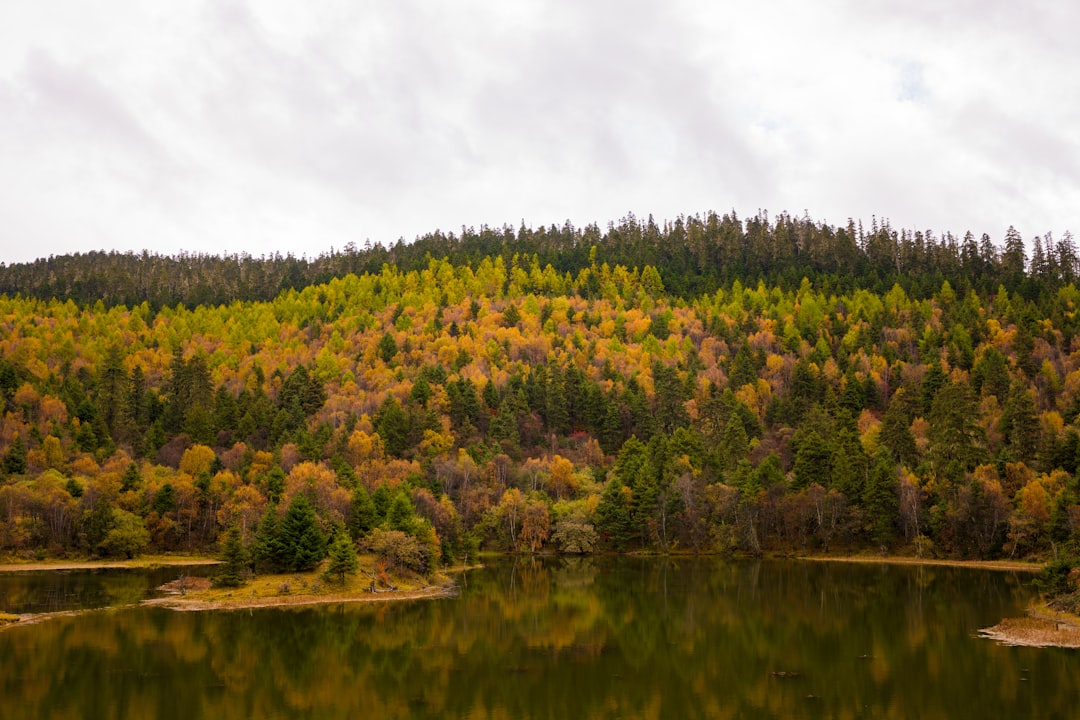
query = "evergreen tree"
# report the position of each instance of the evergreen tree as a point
(343, 560)
(957, 442)
(363, 517)
(387, 348)
(392, 424)
(896, 434)
(268, 551)
(613, 515)
(15, 459)
(234, 560)
(401, 515)
(1020, 425)
(880, 499)
(303, 543)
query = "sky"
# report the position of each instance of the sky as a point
(221, 126)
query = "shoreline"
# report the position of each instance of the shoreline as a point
(141, 563)
(997, 565)
(155, 561)
(1041, 628)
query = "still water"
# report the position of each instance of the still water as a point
(567, 638)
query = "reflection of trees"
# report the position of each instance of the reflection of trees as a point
(576, 637)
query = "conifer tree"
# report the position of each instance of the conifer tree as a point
(343, 560)
(234, 560)
(303, 543)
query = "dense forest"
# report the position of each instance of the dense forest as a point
(696, 255)
(714, 385)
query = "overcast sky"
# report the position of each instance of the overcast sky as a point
(224, 126)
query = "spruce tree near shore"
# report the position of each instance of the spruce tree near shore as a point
(302, 541)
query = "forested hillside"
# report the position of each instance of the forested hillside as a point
(695, 254)
(710, 386)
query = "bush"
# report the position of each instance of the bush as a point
(1057, 578)
(400, 550)
(128, 536)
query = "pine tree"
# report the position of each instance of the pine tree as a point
(343, 560)
(363, 517)
(880, 499)
(268, 551)
(303, 543)
(234, 560)
(613, 515)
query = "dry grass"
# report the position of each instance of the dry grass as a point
(304, 589)
(1036, 630)
(8, 618)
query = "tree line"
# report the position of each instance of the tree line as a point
(695, 254)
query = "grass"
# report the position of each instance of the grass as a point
(307, 588)
(1036, 630)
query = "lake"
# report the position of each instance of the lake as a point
(565, 638)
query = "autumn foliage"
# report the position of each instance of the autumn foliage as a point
(502, 403)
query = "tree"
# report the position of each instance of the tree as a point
(234, 560)
(343, 560)
(880, 499)
(127, 537)
(574, 533)
(1020, 425)
(15, 459)
(535, 524)
(896, 434)
(268, 551)
(613, 515)
(392, 424)
(957, 442)
(303, 543)
(387, 348)
(363, 517)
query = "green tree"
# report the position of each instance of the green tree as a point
(268, 551)
(896, 431)
(401, 515)
(880, 499)
(343, 560)
(387, 348)
(15, 459)
(127, 537)
(234, 560)
(392, 424)
(613, 515)
(957, 442)
(1020, 425)
(303, 543)
(363, 517)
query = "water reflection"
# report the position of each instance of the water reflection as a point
(40, 591)
(575, 637)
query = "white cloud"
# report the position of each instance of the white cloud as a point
(269, 126)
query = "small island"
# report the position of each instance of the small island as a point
(368, 584)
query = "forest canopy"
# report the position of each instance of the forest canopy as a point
(712, 385)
